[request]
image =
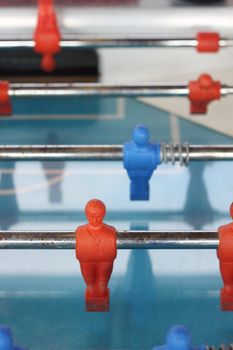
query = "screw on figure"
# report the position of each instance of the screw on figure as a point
(6, 339)
(178, 338)
(225, 255)
(96, 251)
(140, 159)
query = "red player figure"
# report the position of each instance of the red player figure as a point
(225, 255)
(96, 251)
(47, 34)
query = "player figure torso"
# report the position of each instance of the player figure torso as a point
(96, 245)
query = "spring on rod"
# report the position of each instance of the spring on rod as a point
(175, 152)
(223, 347)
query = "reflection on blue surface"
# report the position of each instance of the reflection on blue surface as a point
(6, 339)
(35, 106)
(139, 318)
(8, 202)
(48, 312)
(178, 338)
(111, 123)
(55, 193)
(197, 209)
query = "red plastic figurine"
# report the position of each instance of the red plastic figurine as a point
(225, 255)
(202, 92)
(96, 251)
(47, 35)
(5, 103)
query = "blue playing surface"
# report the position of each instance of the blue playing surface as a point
(150, 291)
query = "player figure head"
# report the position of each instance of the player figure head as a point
(178, 338)
(95, 212)
(141, 135)
(6, 340)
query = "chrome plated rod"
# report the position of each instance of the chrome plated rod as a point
(61, 152)
(125, 240)
(214, 152)
(114, 41)
(169, 153)
(96, 89)
(103, 89)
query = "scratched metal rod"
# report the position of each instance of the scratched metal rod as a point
(114, 41)
(125, 240)
(169, 153)
(103, 89)
(96, 89)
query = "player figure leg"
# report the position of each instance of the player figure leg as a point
(104, 271)
(89, 274)
(139, 188)
(227, 291)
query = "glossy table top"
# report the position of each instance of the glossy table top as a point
(41, 293)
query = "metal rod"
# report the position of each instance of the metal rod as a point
(96, 89)
(103, 89)
(86, 41)
(61, 152)
(169, 153)
(214, 152)
(125, 240)
(114, 41)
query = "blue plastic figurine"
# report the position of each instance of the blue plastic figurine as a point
(6, 339)
(178, 338)
(141, 158)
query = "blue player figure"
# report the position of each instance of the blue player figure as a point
(141, 158)
(6, 339)
(178, 338)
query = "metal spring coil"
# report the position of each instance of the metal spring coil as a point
(221, 347)
(175, 152)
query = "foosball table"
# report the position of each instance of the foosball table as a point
(116, 162)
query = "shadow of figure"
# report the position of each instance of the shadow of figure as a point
(9, 210)
(52, 170)
(197, 209)
(137, 302)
